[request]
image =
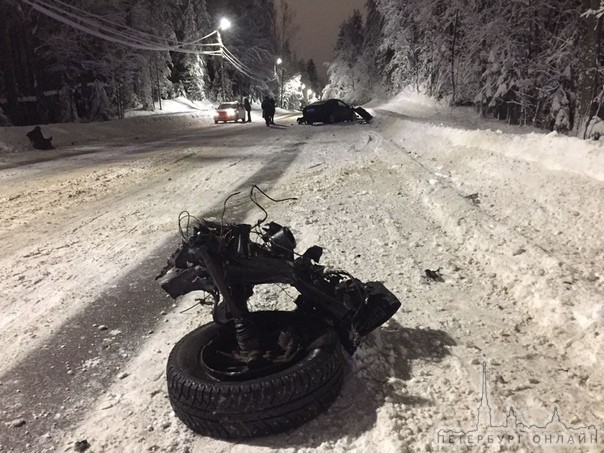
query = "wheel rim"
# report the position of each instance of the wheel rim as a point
(282, 347)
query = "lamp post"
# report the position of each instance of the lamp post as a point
(277, 63)
(282, 85)
(225, 24)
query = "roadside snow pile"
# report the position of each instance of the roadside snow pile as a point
(410, 102)
(176, 116)
(552, 151)
(178, 105)
(542, 204)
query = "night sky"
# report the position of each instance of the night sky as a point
(318, 24)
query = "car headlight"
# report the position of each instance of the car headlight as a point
(215, 113)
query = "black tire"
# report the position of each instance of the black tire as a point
(258, 406)
(310, 122)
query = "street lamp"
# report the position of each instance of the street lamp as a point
(279, 61)
(225, 24)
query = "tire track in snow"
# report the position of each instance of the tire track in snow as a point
(500, 246)
(49, 389)
(473, 306)
(377, 221)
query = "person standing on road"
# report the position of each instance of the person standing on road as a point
(268, 110)
(248, 109)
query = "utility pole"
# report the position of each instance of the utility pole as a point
(158, 86)
(221, 66)
(282, 84)
(224, 25)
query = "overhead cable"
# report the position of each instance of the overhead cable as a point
(112, 31)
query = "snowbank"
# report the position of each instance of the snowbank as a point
(176, 116)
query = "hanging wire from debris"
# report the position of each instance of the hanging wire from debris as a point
(198, 302)
(224, 210)
(253, 198)
(185, 214)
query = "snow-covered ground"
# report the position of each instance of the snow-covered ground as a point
(513, 218)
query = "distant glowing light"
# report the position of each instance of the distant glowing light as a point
(279, 61)
(224, 24)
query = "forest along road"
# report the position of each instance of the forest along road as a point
(86, 331)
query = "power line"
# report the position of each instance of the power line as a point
(112, 31)
(121, 34)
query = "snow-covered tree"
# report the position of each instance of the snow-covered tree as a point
(313, 78)
(589, 78)
(348, 78)
(372, 58)
(293, 93)
(189, 74)
(522, 61)
(40, 55)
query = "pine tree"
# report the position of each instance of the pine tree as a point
(516, 60)
(313, 78)
(346, 77)
(371, 55)
(588, 65)
(189, 71)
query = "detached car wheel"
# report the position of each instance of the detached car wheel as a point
(217, 396)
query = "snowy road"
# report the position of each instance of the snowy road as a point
(86, 332)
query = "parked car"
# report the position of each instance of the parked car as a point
(229, 111)
(332, 111)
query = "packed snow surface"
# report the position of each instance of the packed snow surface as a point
(512, 218)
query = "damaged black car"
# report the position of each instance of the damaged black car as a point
(332, 111)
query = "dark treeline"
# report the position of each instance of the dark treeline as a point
(53, 72)
(534, 62)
